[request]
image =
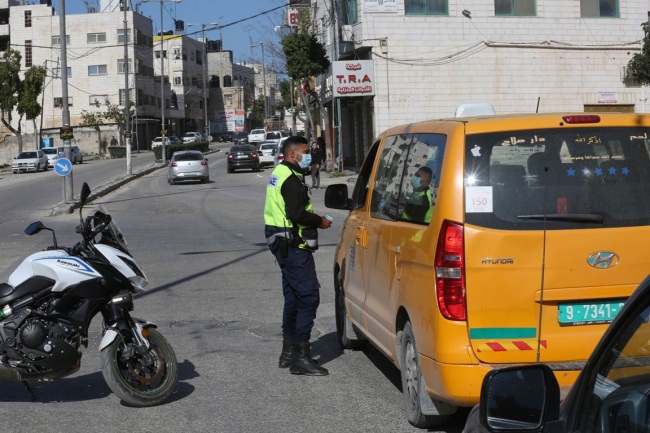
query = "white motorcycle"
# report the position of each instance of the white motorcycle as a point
(51, 299)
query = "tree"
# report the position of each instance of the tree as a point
(94, 119)
(19, 94)
(113, 113)
(639, 64)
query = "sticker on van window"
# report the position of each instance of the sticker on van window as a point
(478, 199)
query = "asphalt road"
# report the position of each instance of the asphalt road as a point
(215, 293)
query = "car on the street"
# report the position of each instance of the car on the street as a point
(279, 156)
(30, 160)
(158, 141)
(243, 156)
(611, 394)
(240, 138)
(267, 150)
(227, 136)
(53, 154)
(76, 157)
(256, 135)
(192, 137)
(175, 140)
(274, 135)
(188, 165)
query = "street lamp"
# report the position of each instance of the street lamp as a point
(163, 131)
(206, 120)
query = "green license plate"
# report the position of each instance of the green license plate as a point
(583, 313)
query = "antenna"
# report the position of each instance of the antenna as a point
(90, 7)
(541, 295)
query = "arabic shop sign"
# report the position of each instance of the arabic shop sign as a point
(607, 97)
(353, 78)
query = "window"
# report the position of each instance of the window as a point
(426, 7)
(178, 78)
(120, 36)
(227, 99)
(157, 54)
(58, 102)
(520, 8)
(97, 100)
(56, 40)
(176, 52)
(28, 54)
(598, 8)
(350, 12)
(199, 58)
(388, 178)
(94, 38)
(120, 66)
(97, 70)
(28, 18)
(57, 72)
(121, 101)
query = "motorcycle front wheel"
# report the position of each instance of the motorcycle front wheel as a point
(140, 379)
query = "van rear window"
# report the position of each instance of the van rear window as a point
(558, 178)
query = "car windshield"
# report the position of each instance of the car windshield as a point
(273, 135)
(25, 155)
(190, 134)
(257, 131)
(50, 151)
(268, 146)
(189, 156)
(241, 149)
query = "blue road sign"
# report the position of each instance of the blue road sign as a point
(63, 166)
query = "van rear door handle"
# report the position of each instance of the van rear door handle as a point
(362, 237)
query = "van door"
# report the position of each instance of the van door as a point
(553, 222)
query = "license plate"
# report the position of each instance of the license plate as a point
(584, 313)
(241, 156)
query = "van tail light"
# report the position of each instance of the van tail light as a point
(450, 272)
(582, 118)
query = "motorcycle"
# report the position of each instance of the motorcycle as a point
(51, 298)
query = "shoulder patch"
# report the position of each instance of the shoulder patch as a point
(273, 181)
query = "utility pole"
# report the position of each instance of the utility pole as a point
(66, 130)
(127, 102)
(206, 120)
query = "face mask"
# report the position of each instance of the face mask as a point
(305, 161)
(415, 181)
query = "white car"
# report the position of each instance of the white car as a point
(256, 135)
(31, 160)
(278, 153)
(192, 137)
(158, 141)
(53, 154)
(267, 150)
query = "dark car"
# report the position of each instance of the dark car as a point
(226, 136)
(611, 394)
(240, 138)
(243, 156)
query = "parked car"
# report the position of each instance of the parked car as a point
(76, 155)
(610, 395)
(53, 154)
(274, 135)
(477, 242)
(188, 165)
(243, 156)
(256, 135)
(31, 160)
(267, 150)
(175, 140)
(158, 141)
(240, 138)
(279, 156)
(227, 136)
(192, 137)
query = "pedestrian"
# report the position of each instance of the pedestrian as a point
(314, 167)
(291, 232)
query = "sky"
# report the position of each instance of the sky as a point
(237, 31)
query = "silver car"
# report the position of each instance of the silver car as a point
(53, 154)
(188, 165)
(31, 160)
(267, 151)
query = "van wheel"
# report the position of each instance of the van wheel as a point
(411, 381)
(344, 327)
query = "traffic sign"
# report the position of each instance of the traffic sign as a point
(66, 133)
(63, 166)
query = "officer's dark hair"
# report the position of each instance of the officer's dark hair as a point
(291, 143)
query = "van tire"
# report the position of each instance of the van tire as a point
(344, 328)
(411, 382)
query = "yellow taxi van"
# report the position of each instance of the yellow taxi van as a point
(476, 243)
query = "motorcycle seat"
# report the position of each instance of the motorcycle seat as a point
(5, 289)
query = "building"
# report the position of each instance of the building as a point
(426, 58)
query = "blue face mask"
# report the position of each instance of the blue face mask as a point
(416, 182)
(305, 161)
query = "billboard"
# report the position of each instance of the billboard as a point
(353, 78)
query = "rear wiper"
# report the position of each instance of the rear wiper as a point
(576, 217)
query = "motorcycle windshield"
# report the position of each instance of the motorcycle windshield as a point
(114, 230)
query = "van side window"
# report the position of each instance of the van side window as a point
(385, 191)
(363, 180)
(422, 178)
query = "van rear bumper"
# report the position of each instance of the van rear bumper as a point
(460, 384)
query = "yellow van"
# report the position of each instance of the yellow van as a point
(475, 243)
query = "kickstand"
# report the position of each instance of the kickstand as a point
(30, 390)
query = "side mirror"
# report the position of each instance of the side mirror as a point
(336, 196)
(85, 192)
(34, 228)
(519, 399)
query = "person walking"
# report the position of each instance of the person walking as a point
(290, 227)
(314, 167)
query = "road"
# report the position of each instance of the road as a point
(215, 293)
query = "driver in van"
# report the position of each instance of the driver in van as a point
(419, 207)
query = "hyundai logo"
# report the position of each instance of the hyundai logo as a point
(602, 260)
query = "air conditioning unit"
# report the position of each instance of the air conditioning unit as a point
(347, 35)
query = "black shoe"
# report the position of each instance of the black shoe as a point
(287, 353)
(301, 363)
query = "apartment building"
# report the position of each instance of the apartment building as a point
(425, 58)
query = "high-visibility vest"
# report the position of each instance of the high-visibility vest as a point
(427, 196)
(275, 216)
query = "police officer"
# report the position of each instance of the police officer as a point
(291, 233)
